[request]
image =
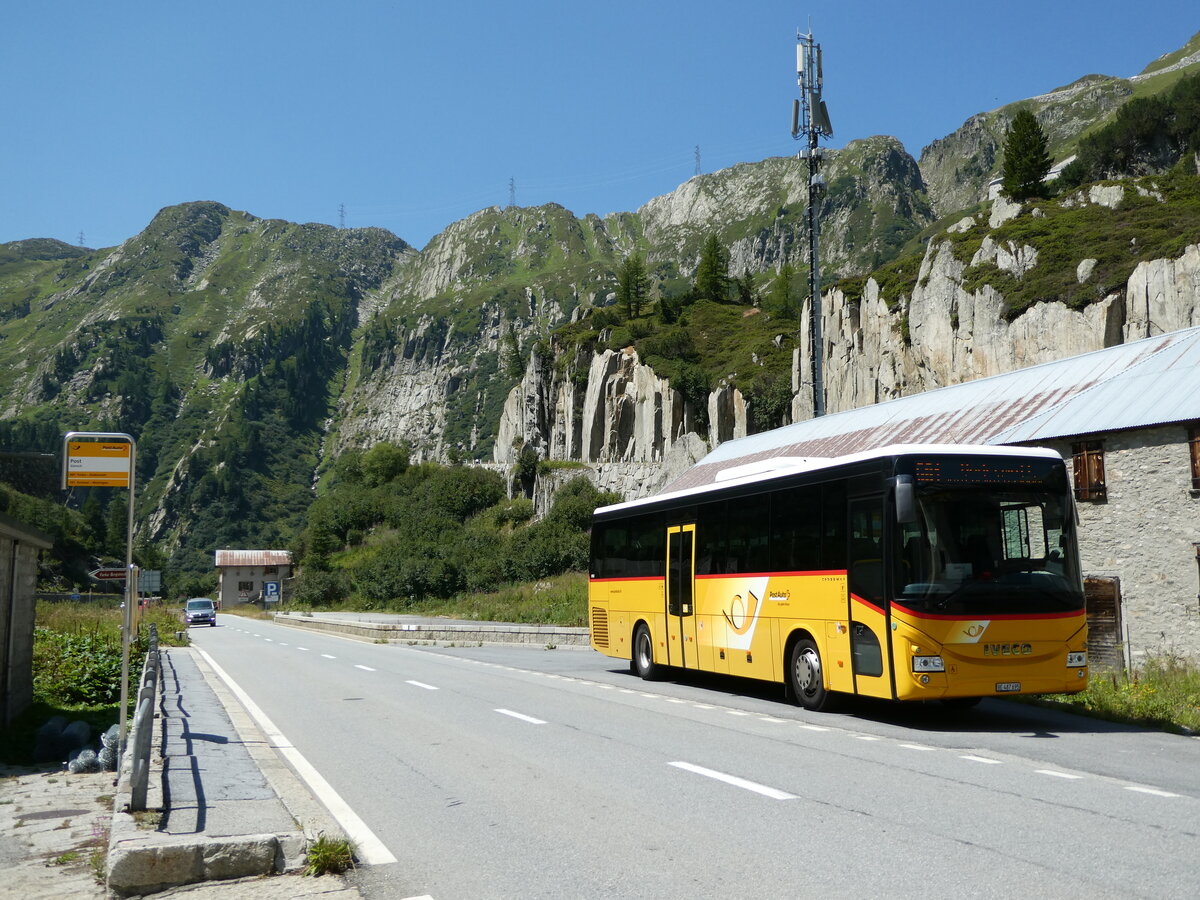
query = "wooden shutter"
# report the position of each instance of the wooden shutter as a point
(1088, 458)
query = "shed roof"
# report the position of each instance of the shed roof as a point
(1135, 385)
(254, 558)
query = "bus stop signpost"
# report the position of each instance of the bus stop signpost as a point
(107, 459)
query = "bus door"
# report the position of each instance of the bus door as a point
(681, 608)
(870, 642)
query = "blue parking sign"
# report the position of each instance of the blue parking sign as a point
(271, 590)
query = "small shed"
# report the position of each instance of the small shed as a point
(251, 575)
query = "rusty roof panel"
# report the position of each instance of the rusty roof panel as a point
(254, 558)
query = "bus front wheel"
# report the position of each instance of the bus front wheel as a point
(643, 664)
(808, 682)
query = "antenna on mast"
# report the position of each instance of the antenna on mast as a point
(810, 122)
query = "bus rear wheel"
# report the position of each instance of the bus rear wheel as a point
(643, 664)
(807, 679)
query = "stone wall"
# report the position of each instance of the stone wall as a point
(1144, 533)
(19, 548)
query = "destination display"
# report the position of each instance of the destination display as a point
(975, 470)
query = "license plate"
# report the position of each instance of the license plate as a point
(1008, 686)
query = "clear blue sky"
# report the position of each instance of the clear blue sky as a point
(416, 114)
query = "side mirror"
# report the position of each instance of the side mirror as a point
(906, 499)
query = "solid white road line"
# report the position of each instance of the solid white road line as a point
(370, 849)
(421, 684)
(524, 718)
(771, 792)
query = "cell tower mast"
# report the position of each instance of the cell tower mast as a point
(810, 122)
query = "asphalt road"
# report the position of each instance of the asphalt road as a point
(527, 772)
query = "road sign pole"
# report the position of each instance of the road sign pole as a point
(130, 597)
(109, 459)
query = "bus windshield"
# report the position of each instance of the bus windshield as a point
(984, 551)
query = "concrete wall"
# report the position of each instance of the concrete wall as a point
(1145, 534)
(19, 548)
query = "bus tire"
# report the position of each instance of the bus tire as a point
(642, 664)
(806, 676)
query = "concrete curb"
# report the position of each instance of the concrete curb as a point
(473, 632)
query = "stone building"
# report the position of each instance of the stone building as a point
(19, 549)
(245, 576)
(1126, 419)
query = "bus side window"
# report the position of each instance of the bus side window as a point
(712, 538)
(833, 526)
(796, 530)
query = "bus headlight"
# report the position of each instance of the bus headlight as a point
(1076, 659)
(928, 664)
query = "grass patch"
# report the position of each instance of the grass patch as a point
(1163, 694)
(77, 669)
(328, 856)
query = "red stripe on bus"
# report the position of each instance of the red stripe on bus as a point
(771, 574)
(868, 604)
(990, 616)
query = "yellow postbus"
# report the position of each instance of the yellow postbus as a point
(906, 573)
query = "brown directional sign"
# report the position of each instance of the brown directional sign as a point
(108, 574)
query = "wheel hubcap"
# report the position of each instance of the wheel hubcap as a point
(808, 672)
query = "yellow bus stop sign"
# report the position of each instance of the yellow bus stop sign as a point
(98, 464)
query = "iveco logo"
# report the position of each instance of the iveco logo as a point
(1007, 649)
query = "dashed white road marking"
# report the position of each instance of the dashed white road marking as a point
(773, 793)
(524, 718)
(1149, 790)
(421, 684)
(1056, 774)
(980, 759)
(364, 668)
(327, 656)
(916, 747)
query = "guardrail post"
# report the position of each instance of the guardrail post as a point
(143, 727)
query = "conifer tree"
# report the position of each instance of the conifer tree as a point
(633, 284)
(712, 272)
(1026, 160)
(781, 301)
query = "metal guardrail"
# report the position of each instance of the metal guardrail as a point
(143, 727)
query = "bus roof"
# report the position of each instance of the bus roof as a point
(782, 466)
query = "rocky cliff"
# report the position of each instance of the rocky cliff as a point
(635, 432)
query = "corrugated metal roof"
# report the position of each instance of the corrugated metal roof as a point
(254, 558)
(1140, 384)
